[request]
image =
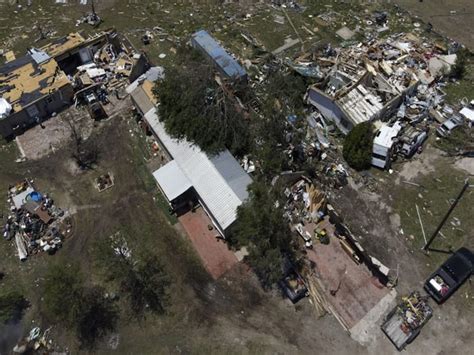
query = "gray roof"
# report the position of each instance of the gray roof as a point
(220, 181)
(222, 59)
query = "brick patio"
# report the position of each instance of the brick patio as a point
(215, 255)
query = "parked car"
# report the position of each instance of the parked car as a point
(446, 128)
(449, 276)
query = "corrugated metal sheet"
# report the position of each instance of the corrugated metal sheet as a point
(220, 181)
(228, 65)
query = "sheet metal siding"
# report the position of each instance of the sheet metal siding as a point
(220, 181)
(228, 65)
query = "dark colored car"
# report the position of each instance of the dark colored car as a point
(449, 276)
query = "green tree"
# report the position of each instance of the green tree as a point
(458, 70)
(139, 274)
(82, 309)
(12, 305)
(289, 89)
(194, 106)
(358, 146)
(62, 293)
(97, 317)
(262, 227)
(269, 143)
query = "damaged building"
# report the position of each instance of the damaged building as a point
(349, 100)
(222, 60)
(47, 80)
(32, 88)
(189, 176)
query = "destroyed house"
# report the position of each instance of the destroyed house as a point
(217, 182)
(34, 87)
(223, 61)
(109, 48)
(348, 100)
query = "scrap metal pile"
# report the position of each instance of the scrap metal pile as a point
(34, 222)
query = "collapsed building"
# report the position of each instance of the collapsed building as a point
(47, 80)
(368, 82)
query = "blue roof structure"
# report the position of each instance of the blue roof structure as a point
(224, 61)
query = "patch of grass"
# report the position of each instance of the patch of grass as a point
(460, 139)
(437, 190)
(463, 88)
(165, 208)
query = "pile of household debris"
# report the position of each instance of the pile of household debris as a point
(35, 342)
(396, 82)
(34, 222)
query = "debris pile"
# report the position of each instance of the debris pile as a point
(35, 342)
(35, 223)
(104, 182)
(414, 311)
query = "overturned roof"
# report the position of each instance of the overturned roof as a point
(219, 180)
(223, 60)
(24, 81)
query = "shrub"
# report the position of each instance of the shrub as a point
(357, 150)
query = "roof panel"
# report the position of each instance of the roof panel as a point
(220, 181)
(172, 180)
(223, 59)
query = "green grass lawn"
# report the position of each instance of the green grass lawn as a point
(433, 198)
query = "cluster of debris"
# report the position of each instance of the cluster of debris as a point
(35, 223)
(104, 182)
(414, 310)
(35, 342)
(396, 82)
(71, 69)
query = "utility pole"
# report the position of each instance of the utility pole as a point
(443, 221)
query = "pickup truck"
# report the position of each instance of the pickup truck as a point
(449, 276)
(403, 324)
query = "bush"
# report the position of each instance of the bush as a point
(458, 70)
(83, 309)
(97, 317)
(358, 145)
(12, 305)
(62, 293)
(140, 275)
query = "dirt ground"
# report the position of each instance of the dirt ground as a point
(387, 226)
(233, 310)
(451, 18)
(232, 314)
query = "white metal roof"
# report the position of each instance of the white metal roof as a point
(468, 113)
(172, 180)
(219, 180)
(386, 134)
